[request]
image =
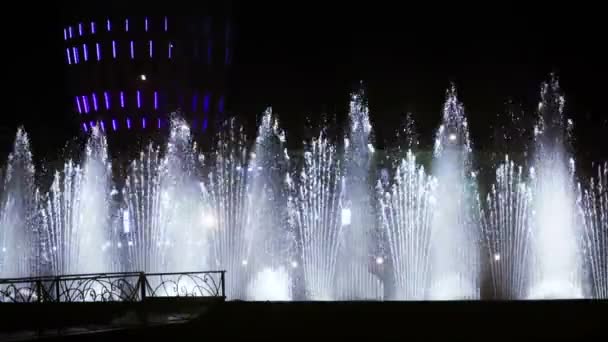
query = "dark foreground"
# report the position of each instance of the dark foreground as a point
(187, 319)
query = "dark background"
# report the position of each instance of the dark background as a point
(303, 57)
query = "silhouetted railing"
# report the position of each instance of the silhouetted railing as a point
(112, 287)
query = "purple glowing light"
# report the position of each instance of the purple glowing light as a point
(84, 126)
(158, 123)
(132, 50)
(205, 122)
(94, 102)
(67, 52)
(70, 32)
(143, 122)
(75, 54)
(206, 103)
(155, 100)
(85, 102)
(86, 52)
(150, 45)
(78, 105)
(92, 27)
(122, 99)
(138, 99)
(146, 23)
(170, 50)
(194, 102)
(128, 123)
(65, 34)
(114, 124)
(103, 126)
(92, 124)
(220, 104)
(166, 27)
(80, 29)
(98, 51)
(114, 49)
(108, 25)
(127, 24)
(106, 97)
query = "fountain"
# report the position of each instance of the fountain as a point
(556, 235)
(271, 242)
(594, 209)
(454, 227)
(317, 213)
(20, 254)
(354, 277)
(506, 224)
(76, 214)
(406, 210)
(316, 228)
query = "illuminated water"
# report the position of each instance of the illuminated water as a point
(338, 220)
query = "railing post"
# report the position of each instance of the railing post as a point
(223, 284)
(57, 290)
(142, 282)
(39, 290)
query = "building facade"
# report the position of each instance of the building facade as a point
(130, 72)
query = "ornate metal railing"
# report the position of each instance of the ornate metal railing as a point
(112, 287)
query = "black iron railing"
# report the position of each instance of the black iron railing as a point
(113, 287)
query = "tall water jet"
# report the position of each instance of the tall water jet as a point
(506, 224)
(406, 211)
(355, 279)
(20, 249)
(594, 208)
(556, 233)
(141, 218)
(226, 193)
(455, 231)
(271, 248)
(185, 227)
(316, 212)
(76, 214)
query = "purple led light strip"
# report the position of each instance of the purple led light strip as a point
(94, 102)
(80, 29)
(114, 48)
(155, 100)
(150, 44)
(85, 102)
(143, 122)
(132, 50)
(114, 124)
(106, 97)
(70, 31)
(122, 99)
(98, 51)
(146, 23)
(127, 24)
(65, 34)
(170, 49)
(108, 25)
(78, 105)
(67, 51)
(166, 24)
(86, 52)
(93, 27)
(75, 54)
(138, 99)
(128, 123)
(84, 126)
(103, 126)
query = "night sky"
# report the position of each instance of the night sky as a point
(304, 58)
